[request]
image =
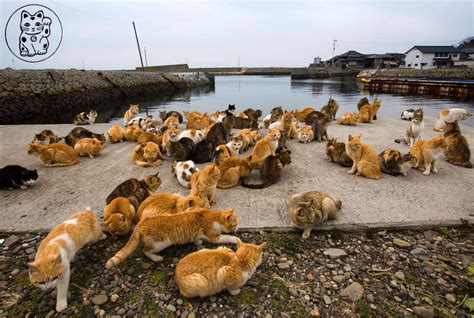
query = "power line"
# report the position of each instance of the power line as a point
(88, 13)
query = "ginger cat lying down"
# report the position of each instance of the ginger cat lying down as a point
(147, 155)
(167, 203)
(159, 232)
(208, 272)
(54, 155)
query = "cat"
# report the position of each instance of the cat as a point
(203, 152)
(301, 114)
(366, 161)
(171, 122)
(234, 145)
(414, 129)
(132, 133)
(221, 153)
(228, 122)
(231, 109)
(182, 149)
(167, 203)
(51, 267)
(457, 151)
(160, 232)
(217, 135)
(116, 133)
(136, 190)
(204, 183)
(407, 114)
(132, 112)
(119, 216)
(193, 134)
(320, 127)
(305, 134)
(14, 176)
(428, 152)
(183, 171)
(171, 134)
(249, 138)
(450, 115)
(88, 147)
(242, 123)
(232, 170)
(188, 115)
(392, 162)
(336, 151)
(147, 155)
(150, 122)
(54, 155)
(165, 115)
(265, 147)
(78, 133)
(208, 272)
(217, 116)
(276, 114)
(85, 118)
(330, 109)
(362, 102)
(46, 137)
(349, 119)
(311, 208)
(266, 121)
(368, 113)
(136, 122)
(271, 169)
(34, 38)
(288, 128)
(311, 117)
(150, 136)
(253, 114)
(199, 122)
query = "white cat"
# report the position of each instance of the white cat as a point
(450, 116)
(183, 171)
(234, 146)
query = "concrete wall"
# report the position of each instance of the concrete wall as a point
(26, 95)
(172, 68)
(414, 73)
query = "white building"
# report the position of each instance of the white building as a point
(426, 57)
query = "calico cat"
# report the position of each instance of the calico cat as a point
(368, 113)
(266, 121)
(311, 208)
(193, 134)
(407, 114)
(450, 115)
(78, 133)
(147, 155)
(366, 161)
(171, 122)
(392, 162)
(13, 176)
(301, 114)
(116, 133)
(208, 272)
(265, 147)
(457, 151)
(270, 171)
(171, 134)
(159, 232)
(217, 135)
(46, 137)
(305, 134)
(34, 38)
(150, 136)
(276, 114)
(217, 116)
(428, 152)
(132, 112)
(165, 115)
(234, 145)
(54, 155)
(136, 190)
(88, 147)
(203, 152)
(183, 171)
(330, 109)
(349, 119)
(221, 153)
(136, 122)
(232, 170)
(182, 149)
(119, 216)
(204, 183)
(167, 203)
(320, 127)
(85, 118)
(132, 134)
(414, 129)
(336, 151)
(51, 267)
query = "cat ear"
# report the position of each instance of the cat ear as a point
(58, 260)
(24, 14)
(350, 137)
(32, 267)
(239, 243)
(231, 211)
(262, 246)
(39, 14)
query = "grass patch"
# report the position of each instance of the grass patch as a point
(158, 277)
(134, 297)
(337, 234)
(247, 297)
(363, 309)
(411, 279)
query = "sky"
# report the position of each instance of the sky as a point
(99, 35)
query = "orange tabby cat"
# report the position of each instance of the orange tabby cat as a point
(150, 136)
(199, 121)
(159, 232)
(208, 272)
(133, 133)
(188, 115)
(147, 155)
(305, 134)
(365, 158)
(428, 152)
(265, 147)
(204, 183)
(222, 153)
(288, 127)
(51, 267)
(171, 134)
(171, 122)
(300, 115)
(119, 216)
(132, 112)
(116, 133)
(368, 112)
(167, 203)
(54, 155)
(349, 119)
(249, 138)
(232, 169)
(88, 147)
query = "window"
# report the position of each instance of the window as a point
(417, 56)
(409, 65)
(416, 64)
(455, 55)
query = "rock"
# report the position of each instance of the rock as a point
(99, 299)
(192, 315)
(121, 311)
(171, 308)
(353, 292)
(451, 298)
(335, 253)
(268, 316)
(400, 275)
(179, 301)
(420, 252)
(370, 298)
(283, 265)
(339, 278)
(293, 292)
(12, 239)
(366, 248)
(310, 277)
(347, 268)
(285, 315)
(401, 243)
(314, 312)
(327, 300)
(424, 312)
(15, 272)
(114, 298)
(441, 281)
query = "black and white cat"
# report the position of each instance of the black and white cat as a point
(13, 176)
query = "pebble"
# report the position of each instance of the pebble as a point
(451, 298)
(15, 272)
(171, 308)
(338, 278)
(334, 253)
(353, 292)
(179, 301)
(327, 299)
(424, 312)
(114, 298)
(400, 275)
(283, 265)
(11, 240)
(285, 315)
(314, 312)
(420, 252)
(347, 268)
(99, 299)
(121, 311)
(192, 315)
(401, 243)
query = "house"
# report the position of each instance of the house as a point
(387, 60)
(348, 59)
(426, 57)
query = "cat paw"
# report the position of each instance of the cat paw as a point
(23, 187)
(426, 172)
(358, 174)
(234, 291)
(351, 172)
(46, 21)
(23, 53)
(102, 236)
(155, 258)
(61, 305)
(434, 170)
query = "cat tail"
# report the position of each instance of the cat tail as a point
(465, 164)
(263, 185)
(147, 164)
(193, 285)
(338, 204)
(128, 249)
(398, 140)
(62, 164)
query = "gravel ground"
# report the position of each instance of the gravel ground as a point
(373, 274)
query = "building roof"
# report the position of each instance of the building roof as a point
(351, 53)
(435, 49)
(468, 50)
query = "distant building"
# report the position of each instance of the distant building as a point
(359, 60)
(426, 57)
(348, 59)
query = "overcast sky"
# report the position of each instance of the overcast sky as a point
(261, 33)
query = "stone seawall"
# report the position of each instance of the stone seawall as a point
(30, 96)
(414, 73)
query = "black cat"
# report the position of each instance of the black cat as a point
(182, 149)
(78, 133)
(231, 109)
(12, 177)
(217, 135)
(203, 152)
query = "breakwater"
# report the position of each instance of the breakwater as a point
(39, 96)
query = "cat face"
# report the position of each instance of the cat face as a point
(237, 142)
(32, 24)
(173, 133)
(409, 158)
(274, 134)
(229, 221)
(377, 103)
(134, 109)
(354, 143)
(45, 272)
(92, 114)
(153, 181)
(284, 156)
(417, 116)
(331, 143)
(34, 148)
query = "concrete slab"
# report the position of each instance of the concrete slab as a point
(403, 202)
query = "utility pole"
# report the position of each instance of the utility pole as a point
(13, 61)
(239, 61)
(83, 66)
(333, 50)
(138, 45)
(146, 60)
